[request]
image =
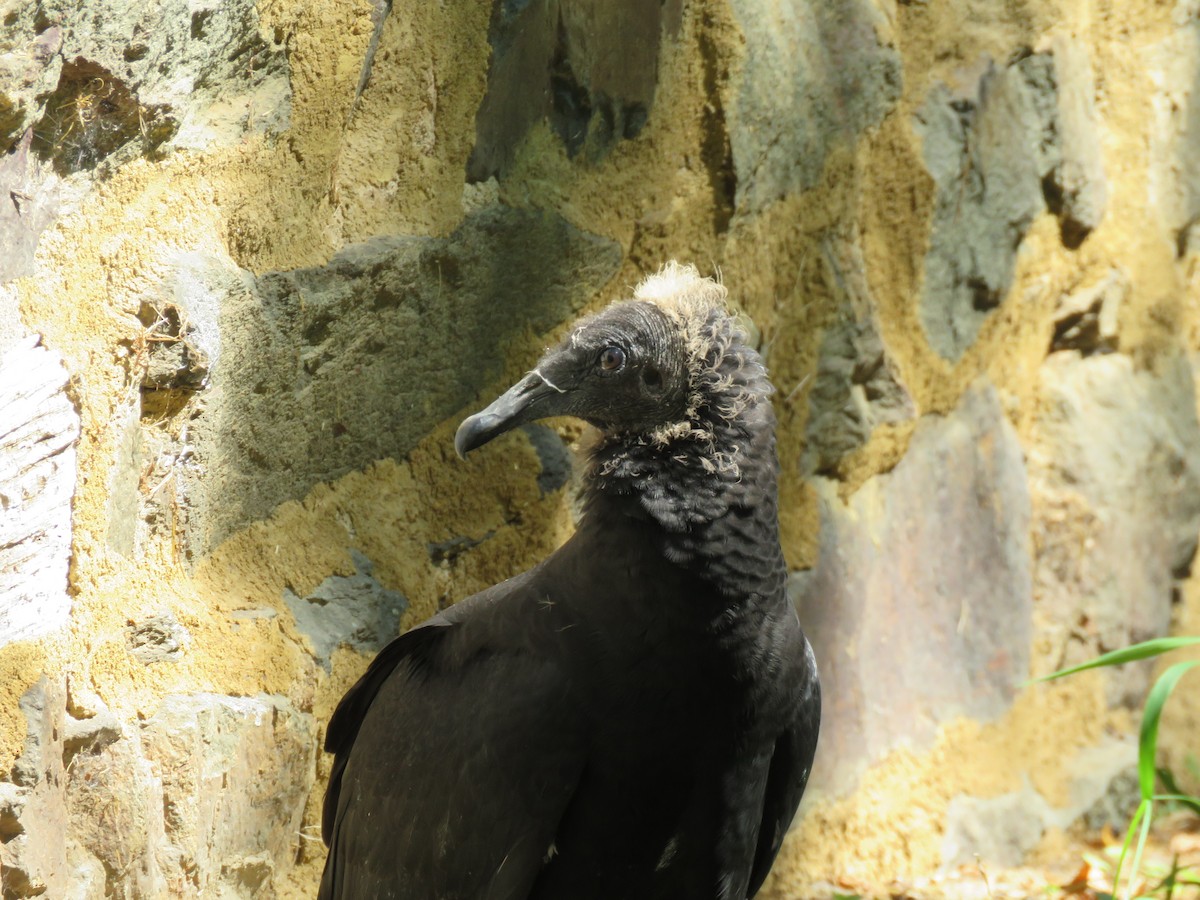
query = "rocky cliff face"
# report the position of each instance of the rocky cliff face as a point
(256, 260)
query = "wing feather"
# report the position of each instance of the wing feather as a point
(454, 763)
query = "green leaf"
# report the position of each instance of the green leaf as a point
(1175, 793)
(1148, 741)
(1144, 650)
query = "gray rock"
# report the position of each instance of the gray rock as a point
(175, 352)
(43, 706)
(1174, 182)
(207, 798)
(324, 370)
(156, 76)
(1001, 830)
(124, 483)
(919, 608)
(356, 610)
(553, 455)
(1116, 461)
(814, 75)
(39, 429)
(33, 807)
(998, 831)
(157, 639)
(173, 360)
(999, 149)
(93, 117)
(1087, 320)
(115, 806)
(33, 196)
(86, 86)
(857, 385)
(235, 774)
(588, 67)
(1076, 187)
(90, 735)
(1116, 806)
(30, 63)
(987, 148)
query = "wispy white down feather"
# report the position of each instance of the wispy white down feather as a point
(689, 301)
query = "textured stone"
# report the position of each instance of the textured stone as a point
(1076, 188)
(324, 370)
(30, 192)
(33, 809)
(205, 797)
(1000, 148)
(588, 67)
(996, 831)
(814, 75)
(30, 63)
(553, 455)
(124, 483)
(353, 610)
(1087, 319)
(39, 428)
(115, 809)
(199, 73)
(786, 107)
(1115, 807)
(1000, 831)
(1116, 463)
(156, 639)
(155, 468)
(83, 86)
(919, 608)
(857, 385)
(235, 775)
(12, 331)
(32, 195)
(80, 811)
(1174, 184)
(89, 735)
(856, 388)
(987, 147)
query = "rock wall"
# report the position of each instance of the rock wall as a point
(256, 260)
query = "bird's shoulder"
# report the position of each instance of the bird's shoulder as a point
(423, 649)
(448, 640)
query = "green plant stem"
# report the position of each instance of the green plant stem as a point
(1141, 846)
(1133, 824)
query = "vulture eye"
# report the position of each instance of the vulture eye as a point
(611, 360)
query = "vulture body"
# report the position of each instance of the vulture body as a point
(636, 716)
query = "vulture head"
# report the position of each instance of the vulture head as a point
(648, 369)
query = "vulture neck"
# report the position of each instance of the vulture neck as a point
(708, 485)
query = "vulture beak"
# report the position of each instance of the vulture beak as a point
(521, 403)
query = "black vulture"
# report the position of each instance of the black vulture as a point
(634, 717)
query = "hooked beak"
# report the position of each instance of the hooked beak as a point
(521, 403)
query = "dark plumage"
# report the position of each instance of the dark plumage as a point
(636, 716)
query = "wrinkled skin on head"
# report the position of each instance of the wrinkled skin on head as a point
(624, 370)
